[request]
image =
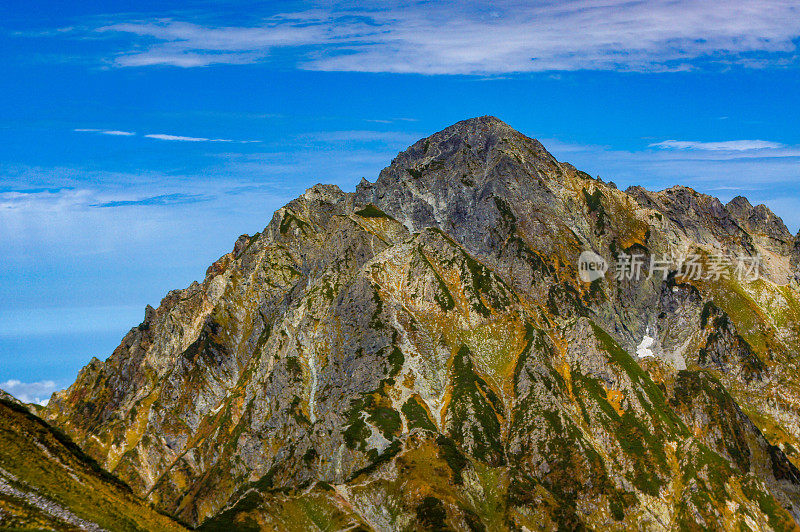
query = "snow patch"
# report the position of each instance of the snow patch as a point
(643, 350)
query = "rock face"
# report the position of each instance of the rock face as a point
(422, 354)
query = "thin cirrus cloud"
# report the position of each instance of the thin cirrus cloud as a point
(180, 138)
(509, 36)
(160, 136)
(112, 132)
(728, 145)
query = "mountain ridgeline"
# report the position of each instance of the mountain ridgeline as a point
(421, 354)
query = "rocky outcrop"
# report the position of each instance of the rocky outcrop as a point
(423, 353)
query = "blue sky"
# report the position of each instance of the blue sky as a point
(138, 141)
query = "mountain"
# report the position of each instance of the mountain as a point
(47, 483)
(423, 354)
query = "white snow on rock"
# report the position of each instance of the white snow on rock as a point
(643, 350)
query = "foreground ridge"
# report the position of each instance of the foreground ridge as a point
(423, 353)
(46, 482)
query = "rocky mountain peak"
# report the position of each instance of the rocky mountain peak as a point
(465, 178)
(473, 143)
(761, 221)
(740, 207)
(424, 351)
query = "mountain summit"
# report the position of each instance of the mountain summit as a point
(426, 353)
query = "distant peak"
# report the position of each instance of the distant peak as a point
(739, 206)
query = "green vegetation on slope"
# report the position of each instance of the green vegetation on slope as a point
(47, 482)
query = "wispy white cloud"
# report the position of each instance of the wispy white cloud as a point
(184, 59)
(471, 38)
(728, 145)
(119, 133)
(180, 138)
(30, 392)
(161, 136)
(112, 132)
